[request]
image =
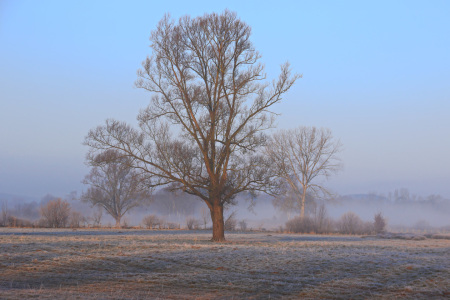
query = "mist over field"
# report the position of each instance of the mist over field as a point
(401, 210)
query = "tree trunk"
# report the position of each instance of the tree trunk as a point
(302, 212)
(218, 223)
(118, 223)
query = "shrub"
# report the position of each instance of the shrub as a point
(152, 221)
(367, 228)
(316, 221)
(173, 225)
(41, 223)
(379, 223)
(56, 213)
(192, 223)
(17, 222)
(350, 223)
(300, 225)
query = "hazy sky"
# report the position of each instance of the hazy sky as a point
(377, 73)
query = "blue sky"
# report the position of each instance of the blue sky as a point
(377, 73)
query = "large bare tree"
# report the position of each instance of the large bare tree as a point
(302, 155)
(114, 184)
(210, 105)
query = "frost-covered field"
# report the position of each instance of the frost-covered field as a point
(104, 264)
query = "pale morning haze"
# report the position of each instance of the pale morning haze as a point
(377, 73)
(139, 159)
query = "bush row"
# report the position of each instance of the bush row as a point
(348, 223)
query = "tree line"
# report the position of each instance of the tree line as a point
(57, 213)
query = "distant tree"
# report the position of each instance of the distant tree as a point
(192, 223)
(401, 195)
(56, 213)
(26, 210)
(243, 225)
(208, 88)
(302, 155)
(322, 223)
(171, 225)
(433, 199)
(97, 216)
(288, 202)
(75, 219)
(205, 216)
(166, 202)
(4, 213)
(230, 222)
(47, 198)
(17, 222)
(115, 185)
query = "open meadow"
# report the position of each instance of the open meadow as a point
(140, 264)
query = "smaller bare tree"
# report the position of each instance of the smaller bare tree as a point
(243, 225)
(322, 222)
(205, 216)
(302, 155)
(115, 185)
(56, 213)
